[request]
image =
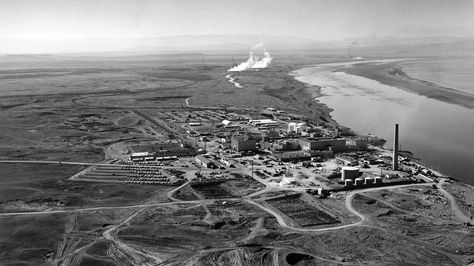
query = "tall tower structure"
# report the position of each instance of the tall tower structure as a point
(395, 148)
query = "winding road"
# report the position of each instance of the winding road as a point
(348, 205)
(452, 202)
(140, 257)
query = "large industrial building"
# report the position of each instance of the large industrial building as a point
(357, 144)
(335, 145)
(243, 143)
(298, 128)
(281, 145)
(159, 151)
(292, 156)
(200, 159)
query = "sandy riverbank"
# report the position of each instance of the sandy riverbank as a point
(392, 74)
(367, 105)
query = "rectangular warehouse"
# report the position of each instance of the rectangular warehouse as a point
(335, 145)
(204, 161)
(163, 149)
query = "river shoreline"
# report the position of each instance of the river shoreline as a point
(392, 74)
(381, 68)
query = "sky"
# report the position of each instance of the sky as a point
(315, 19)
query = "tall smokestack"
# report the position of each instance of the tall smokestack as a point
(395, 148)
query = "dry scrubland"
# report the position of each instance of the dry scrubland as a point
(61, 109)
(39, 187)
(421, 214)
(464, 197)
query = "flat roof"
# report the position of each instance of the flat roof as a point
(203, 159)
(139, 154)
(349, 168)
(156, 147)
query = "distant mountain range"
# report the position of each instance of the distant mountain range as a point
(159, 44)
(211, 43)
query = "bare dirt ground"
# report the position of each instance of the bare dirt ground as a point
(86, 110)
(463, 195)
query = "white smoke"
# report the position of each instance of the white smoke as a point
(254, 62)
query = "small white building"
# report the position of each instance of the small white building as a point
(263, 122)
(226, 122)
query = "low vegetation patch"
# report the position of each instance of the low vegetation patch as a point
(301, 212)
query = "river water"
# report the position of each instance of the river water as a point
(440, 134)
(457, 73)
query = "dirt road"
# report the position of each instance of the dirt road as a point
(452, 202)
(348, 205)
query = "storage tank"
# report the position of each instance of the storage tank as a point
(291, 127)
(369, 180)
(349, 173)
(378, 180)
(358, 181)
(299, 129)
(322, 191)
(301, 125)
(348, 182)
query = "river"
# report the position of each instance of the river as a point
(440, 134)
(457, 73)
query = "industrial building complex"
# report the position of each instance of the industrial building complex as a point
(155, 186)
(285, 151)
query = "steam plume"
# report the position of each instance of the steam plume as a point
(254, 62)
(350, 48)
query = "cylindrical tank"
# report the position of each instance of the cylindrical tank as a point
(349, 173)
(358, 181)
(378, 180)
(369, 180)
(302, 126)
(348, 182)
(291, 127)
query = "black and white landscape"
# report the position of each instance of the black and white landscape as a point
(236, 132)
